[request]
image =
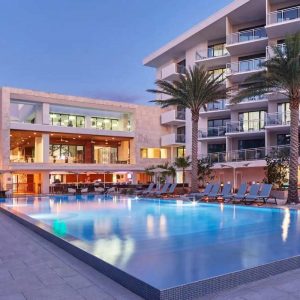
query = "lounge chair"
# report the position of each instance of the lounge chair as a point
(147, 190)
(71, 191)
(213, 194)
(99, 189)
(171, 190)
(238, 196)
(203, 194)
(84, 190)
(226, 191)
(253, 193)
(262, 196)
(163, 190)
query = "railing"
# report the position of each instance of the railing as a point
(245, 126)
(247, 154)
(180, 138)
(254, 98)
(180, 69)
(211, 53)
(284, 15)
(275, 119)
(271, 53)
(212, 132)
(180, 114)
(21, 159)
(219, 105)
(246, 36)
(255, 64)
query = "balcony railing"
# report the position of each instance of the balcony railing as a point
(254, 98)
(180, 114)
(180, 69)
(271, 53)
(180, 138)
(246, 36)
(284, 15)
(247, 154)
(245, 126)
(275, 119)
(219, 105)
(211, 53)
(212, 132)
(242, 66)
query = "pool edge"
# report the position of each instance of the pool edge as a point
(186, 291)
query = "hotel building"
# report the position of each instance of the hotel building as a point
(47, 138)
(233, 42)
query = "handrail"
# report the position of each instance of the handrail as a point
(246, 35)
(284, 15)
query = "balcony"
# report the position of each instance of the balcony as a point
(247, 154)
(278, 119)
(242, 127)
(247, 41)
(239, 71)
(173, 117)
(172, 139)
(271, 53)
(259, 101)
(216, 109)
(283, 22)
(172, 71)
(212, 133)
(211, 57)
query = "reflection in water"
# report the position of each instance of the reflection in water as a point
(129, 204)
(222, 207)
(150, 224)
(286, 224)
(163, 226)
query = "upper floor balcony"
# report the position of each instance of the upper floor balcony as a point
(212, 133)
(172, 71)
(173, 117)
(247, 41)
(173, 139)
(259, 101)
(252, 154)
(215, 109)
(240, 70)
(247, 126)
(212, 56)
(282, 22)
(278, 119)
(271, 53)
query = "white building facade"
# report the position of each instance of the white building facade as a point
(233, 42)
(47, 138)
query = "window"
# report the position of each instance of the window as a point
(180, 152)
(249, 144)
(217, 72)
(216, 50)
(286, 14)
(105, 123)
(212, 148)
(251, 63)
(217, 123)
(67, 153)
(284, 116)
(154, 153)
(65, 120)
(283, 139)
(253, 120)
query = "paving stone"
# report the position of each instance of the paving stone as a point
(78, 281)
(16, 296)
(65, 271)
(93, 292)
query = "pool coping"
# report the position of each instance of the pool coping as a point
(186, 291)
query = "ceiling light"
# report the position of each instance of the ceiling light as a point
(74, 138)
(34, 133)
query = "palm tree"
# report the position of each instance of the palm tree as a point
(193, 90)
(182, 163)
(282, 75)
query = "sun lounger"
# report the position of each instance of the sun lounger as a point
(253, 193)
(163, 190)
(238, 196)
(262, 196)
(71, 191)
(204, 193)
(225, 192)
(99, 190)
(147, 190)
(213, 193)
(84, 190)
(171, 190)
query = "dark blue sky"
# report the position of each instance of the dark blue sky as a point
(90, 47)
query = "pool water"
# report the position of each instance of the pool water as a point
(169, 243)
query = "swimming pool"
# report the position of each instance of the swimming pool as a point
(169, 243)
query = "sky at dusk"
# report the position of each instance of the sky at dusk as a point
(90, 48)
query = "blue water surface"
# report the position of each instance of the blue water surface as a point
(169, 243)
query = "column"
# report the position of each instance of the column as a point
(45, 182)
(42, 148)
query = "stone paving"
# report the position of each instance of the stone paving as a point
(33, 268)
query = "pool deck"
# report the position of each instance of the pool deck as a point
(33, 268)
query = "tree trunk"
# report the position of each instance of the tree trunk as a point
(294, 152)
(194, 173)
